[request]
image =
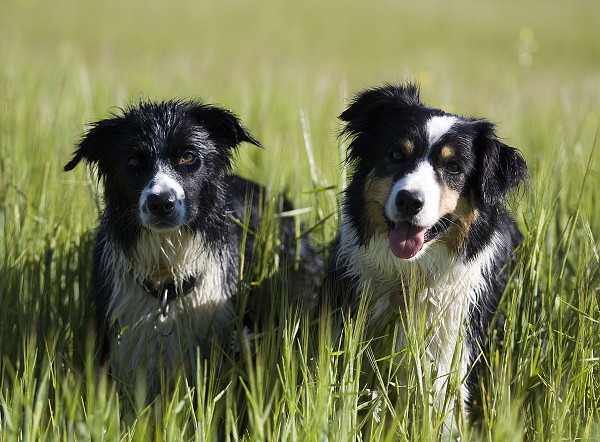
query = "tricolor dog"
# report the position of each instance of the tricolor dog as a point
(424, 212)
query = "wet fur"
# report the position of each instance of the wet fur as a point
(144, 151)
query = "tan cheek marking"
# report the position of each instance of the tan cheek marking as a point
(376, 192)
(448, 201)
(447, 153)
(465, 215)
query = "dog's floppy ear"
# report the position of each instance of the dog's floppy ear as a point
(369, 106)
(97, 140)
(222, 125)
(501, 167)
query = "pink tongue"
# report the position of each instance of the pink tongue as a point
(406, 240)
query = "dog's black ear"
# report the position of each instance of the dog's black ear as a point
(501, 167)
(368, 105)
(223, 125)
(96, 142)
(368, 108)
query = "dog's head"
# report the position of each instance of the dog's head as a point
(162, 163)
(418, 171)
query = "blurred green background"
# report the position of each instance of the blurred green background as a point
(531, 66)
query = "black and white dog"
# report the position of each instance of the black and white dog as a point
(171, 239)
(424, 213)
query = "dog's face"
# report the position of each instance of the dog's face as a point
(162, 163)
(421, 174)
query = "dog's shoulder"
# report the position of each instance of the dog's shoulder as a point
(101, 290)
(242, 193)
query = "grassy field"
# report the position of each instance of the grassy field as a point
(288, 69)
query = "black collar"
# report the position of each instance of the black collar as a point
(167, 290)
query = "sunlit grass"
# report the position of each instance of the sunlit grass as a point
(288, 69)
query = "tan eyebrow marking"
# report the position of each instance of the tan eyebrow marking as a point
(447, 153)
(408, 146)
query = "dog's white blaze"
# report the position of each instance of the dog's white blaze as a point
(163, 182)
(438, 126)
(423, 180)
(449, 288)
(192, 318)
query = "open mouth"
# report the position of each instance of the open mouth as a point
(407, 239)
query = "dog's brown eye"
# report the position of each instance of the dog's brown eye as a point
(452, 168)
(396, 155)
(134, 161)
(187, 158)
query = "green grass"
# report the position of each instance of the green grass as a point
(288, 69)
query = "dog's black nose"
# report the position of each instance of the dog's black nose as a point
(161, 204)
(409, 203)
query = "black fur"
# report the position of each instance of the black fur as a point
(128, 150)
(382, 118)
(155, 131)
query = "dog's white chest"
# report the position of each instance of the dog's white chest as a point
(436, 290)
(154, 334)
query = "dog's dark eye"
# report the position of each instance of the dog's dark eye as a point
(187, 158)
(396, 155)
(453, 168)
(134, 161)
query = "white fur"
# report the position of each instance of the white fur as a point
(147, 338)
(438, 126)
(446, 288)
(423, 180)
(162, 182)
